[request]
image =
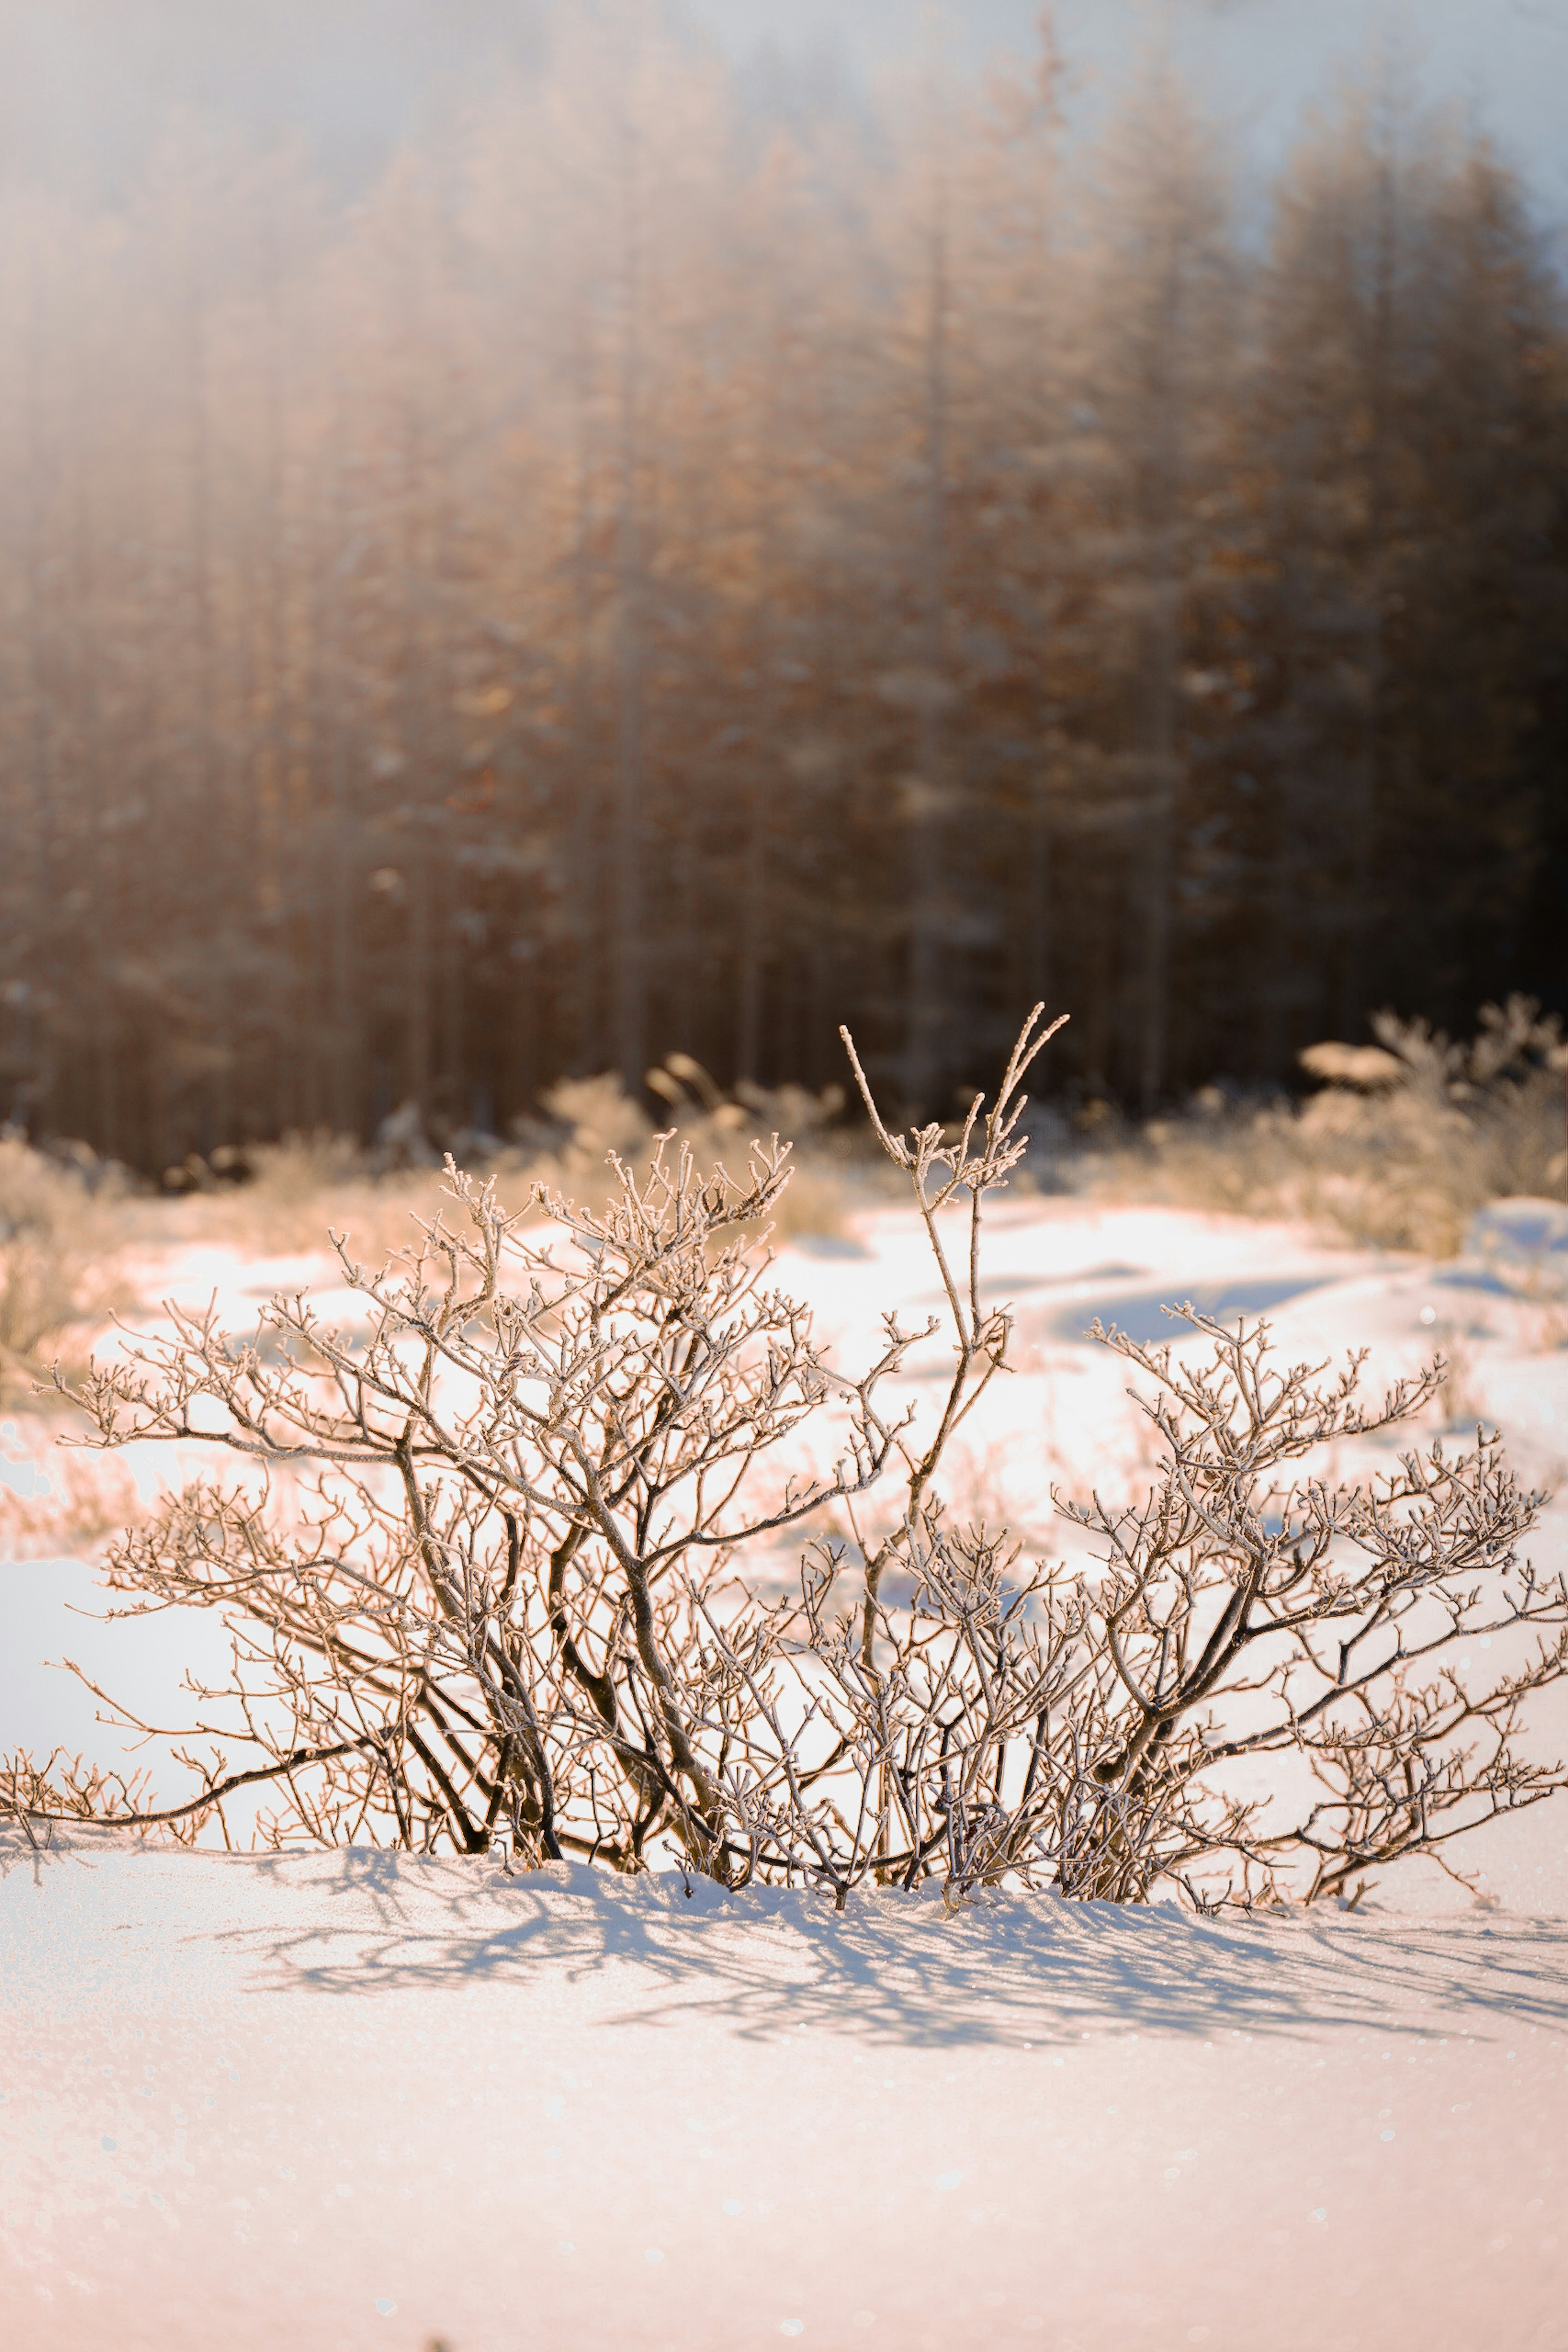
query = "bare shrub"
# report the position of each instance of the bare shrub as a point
(496, 1601)
(478, 1612)
(66, 1789)
(1248, 1586)
(486, 1606)
(1404, 1143)
(1083, 1730)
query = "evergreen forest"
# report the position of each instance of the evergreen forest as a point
(657, 571)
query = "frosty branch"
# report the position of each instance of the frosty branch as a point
(491, 1565)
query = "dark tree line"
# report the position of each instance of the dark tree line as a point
(645, 576)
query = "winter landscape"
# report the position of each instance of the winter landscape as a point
(708, 1638)
(360, 2095)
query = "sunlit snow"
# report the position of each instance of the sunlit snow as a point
(326, 2100)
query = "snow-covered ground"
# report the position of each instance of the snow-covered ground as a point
(355, 2099)
(326, 2100)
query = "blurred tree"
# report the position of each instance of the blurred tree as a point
(646, 576)
(1408, 426)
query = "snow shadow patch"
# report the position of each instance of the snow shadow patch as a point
(1143, 1318)
(893, 1968)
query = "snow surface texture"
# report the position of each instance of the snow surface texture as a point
(314, 2101)
(327, 2101)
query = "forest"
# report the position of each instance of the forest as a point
(656, 572)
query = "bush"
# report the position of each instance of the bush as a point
(1404, 1143)
(505, 1609)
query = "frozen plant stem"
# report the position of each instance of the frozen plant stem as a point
(938, 1171)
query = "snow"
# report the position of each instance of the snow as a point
(357, 2098)
(330, 2100)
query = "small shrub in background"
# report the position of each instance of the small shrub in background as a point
(296, 1172)
(1401, 1146)
(303, 1184)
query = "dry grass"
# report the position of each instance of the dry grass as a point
(835, 1169)
(58, 1504)
(309, 1184)
(1398, 1153)
(1461, 1404)
(70, 1223)
(1542, 1327)
(1398, 1150)
(62, 1228)
(305, 1188)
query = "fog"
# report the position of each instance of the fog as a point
(535, 536)
(1260, 63)
(86, 85)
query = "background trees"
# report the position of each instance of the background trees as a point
(650, 574)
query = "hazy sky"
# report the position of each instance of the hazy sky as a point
(85, 85)
(1259, 61)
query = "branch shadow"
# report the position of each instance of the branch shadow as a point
(897, 1969)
